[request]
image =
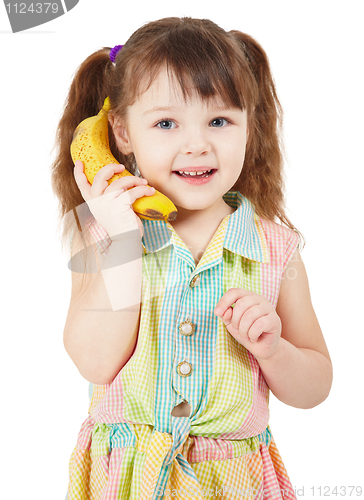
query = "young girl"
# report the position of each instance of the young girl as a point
(183, 327)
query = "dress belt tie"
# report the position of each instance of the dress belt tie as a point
(165, 450)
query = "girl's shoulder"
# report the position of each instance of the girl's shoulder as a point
(275, 231)
(281, 241)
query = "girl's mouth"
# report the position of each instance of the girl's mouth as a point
(196, 178)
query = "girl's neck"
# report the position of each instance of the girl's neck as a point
(198, 229)
(201, 219)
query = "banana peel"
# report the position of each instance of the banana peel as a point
(90, 144)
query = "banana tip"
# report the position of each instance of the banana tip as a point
(172, 216)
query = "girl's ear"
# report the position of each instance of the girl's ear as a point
(121, 135)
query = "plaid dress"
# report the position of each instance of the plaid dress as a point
(130, 446)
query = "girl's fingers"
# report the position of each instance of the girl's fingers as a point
(126, 182)
(249, 318)
(138, 192)
(266, 325)
(243, 322)
(227, 316)
(257, 328)
(81, 180)
(229, 298)
(100, 182)
(101, 186)
(243, 305)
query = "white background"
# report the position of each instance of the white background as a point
(316, 53)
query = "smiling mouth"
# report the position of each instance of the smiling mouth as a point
(195, 175)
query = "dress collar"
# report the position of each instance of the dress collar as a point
(244, 233)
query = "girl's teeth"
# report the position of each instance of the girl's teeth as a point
(194, 173)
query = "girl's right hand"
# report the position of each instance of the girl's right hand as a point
(111, 205)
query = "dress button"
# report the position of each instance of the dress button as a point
(184, 369)
(195, 280)
(186, 327)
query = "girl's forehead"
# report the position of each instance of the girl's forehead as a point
(166, 91)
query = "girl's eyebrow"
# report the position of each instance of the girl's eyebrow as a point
(217, 109)
(159, 108)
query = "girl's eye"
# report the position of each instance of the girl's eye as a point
(219, 122)
(166, 124)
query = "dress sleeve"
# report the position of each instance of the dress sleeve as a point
(292, 241)
(100, 235)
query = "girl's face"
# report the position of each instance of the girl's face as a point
(168, 135)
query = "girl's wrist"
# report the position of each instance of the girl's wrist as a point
(124, 248)
(274, 358)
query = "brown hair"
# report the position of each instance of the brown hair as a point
(229, 64)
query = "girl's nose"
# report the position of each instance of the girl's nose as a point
(196, 143)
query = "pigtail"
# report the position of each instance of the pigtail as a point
(85, 98)
(263, 179)
(264, 160)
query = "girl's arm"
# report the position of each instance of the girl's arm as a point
(300, 372)
(102, 324)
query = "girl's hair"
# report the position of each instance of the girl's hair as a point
(230, 65)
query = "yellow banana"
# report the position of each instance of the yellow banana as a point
(91, 145)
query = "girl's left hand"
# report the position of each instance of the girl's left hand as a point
(253, 321)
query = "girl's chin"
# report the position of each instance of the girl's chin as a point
(193, 205)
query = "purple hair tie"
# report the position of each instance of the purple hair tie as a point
(114, 51)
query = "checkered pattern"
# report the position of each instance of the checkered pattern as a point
(130, 447)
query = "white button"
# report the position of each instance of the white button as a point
(184, 369)
(186, 327)
(195, 280)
